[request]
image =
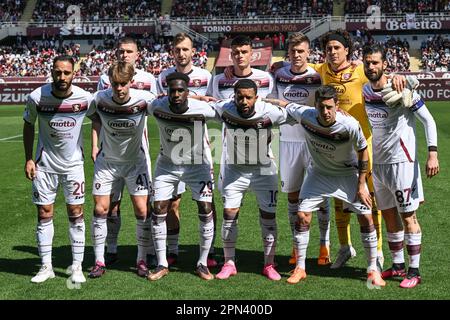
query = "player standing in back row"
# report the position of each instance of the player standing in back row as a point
(298, 83)
(60, 109)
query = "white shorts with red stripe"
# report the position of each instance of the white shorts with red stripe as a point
(398, 185)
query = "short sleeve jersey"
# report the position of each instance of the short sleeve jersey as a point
(60, 142)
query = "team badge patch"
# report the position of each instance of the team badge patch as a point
(346, 76)
(197, 82)
(76, 107)
(97, 186)
(140, 85)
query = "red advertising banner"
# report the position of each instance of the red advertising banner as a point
(90, 30)
(262, 54)
(17, 93)
(428, 24)
(249, 28)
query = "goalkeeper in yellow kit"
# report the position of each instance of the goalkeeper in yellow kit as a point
(348, 81)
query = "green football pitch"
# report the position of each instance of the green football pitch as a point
(19, 259)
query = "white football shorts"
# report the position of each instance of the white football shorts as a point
(236, 180)
(110, 177)
(45, 186)
(398, 185)
(168, 176)
(294, 160)
(318, 187)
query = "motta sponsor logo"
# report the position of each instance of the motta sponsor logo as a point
(340, 89)
(177, 132)
(91, 30)
(121, 124)
(323, 146)
(62, 124)
(423, 25)
(295, 94)
(377, 115)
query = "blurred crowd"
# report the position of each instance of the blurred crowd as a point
(436, 53)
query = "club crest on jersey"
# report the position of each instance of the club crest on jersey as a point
(258, 83)
(309, 80)
(197, 82)
(97, 186)
(76, 107)
(346, 76)
(140, 85)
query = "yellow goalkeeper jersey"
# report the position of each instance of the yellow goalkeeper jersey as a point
(349, 84)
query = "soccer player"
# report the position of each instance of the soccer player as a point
(127, 50)
(222, 87)
(199, 79)
(298, 82)
(339, 169)
(184, 156)
(123, 156)
(248, 164)
(396, 173)
(348, 81)
(60, 108)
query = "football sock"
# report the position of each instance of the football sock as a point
(44, 238)
(342, 223)
(206, 230)
(77, 240)
(269, 237)
(143, 237)
(99, 230)
(301, 240)
(229, 237)
(413, 246)
(323, 217)
(369, 240)
(114, 223)
(395, 241)
(159, 233)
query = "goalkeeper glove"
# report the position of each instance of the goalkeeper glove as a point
(391, 97)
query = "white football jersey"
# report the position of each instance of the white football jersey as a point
(60, 142)
(122, 138)
(198, 84)
(299, 88)
(247, 141)
(142, 81)
(183, 137)
(393, 129)
(223, 88)
(333, 149)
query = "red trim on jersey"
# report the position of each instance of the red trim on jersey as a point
(405, 150)
(63, 108)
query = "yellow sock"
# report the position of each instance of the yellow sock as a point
(342, 223)
(376, 216)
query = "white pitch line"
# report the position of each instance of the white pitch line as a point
(13, 137)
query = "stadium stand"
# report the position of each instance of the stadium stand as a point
(436, 53)
(249, 8)
(95, 10)
(397, 6)
(11, 10)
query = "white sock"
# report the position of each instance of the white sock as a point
(143, 237)
(269, 237)
(113, 224)
(413, 246)
(77, 239)
(292, 215)
(229, 237)
(396, 243)
(44, 238)
(323, 217)
(159, 233)
(369, 240)
(301, 241)
(206, 230)
(99, 230)
(172, 242)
